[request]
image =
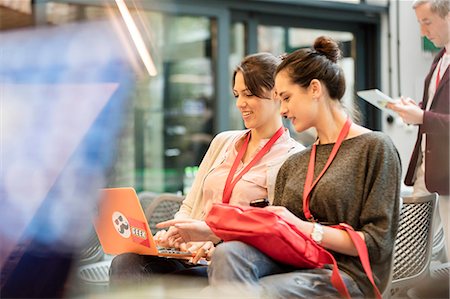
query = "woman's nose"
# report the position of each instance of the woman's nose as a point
(283, 110)
(240, 102)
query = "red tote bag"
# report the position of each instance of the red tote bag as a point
(281, 240)
(269, 233)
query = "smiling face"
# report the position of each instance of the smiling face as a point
(256, 112)
(434, 27)
(297, 103)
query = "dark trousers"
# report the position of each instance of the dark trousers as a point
(136, 269)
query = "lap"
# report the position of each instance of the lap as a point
(137, 270)
(234, 255)
(277, 280)
(148, 264)
(306, 283)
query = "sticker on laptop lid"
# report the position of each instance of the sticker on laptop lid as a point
(121, 224)
(139, 233)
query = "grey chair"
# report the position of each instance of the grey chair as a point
(162, 207)
(413, 244)
(92, 251)
(441, 271)
(439, 253)
(146, 198)
(95, 277)
(92, 273)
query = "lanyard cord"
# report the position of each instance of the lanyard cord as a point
(230, 183)
(309, 184)
(438, 76)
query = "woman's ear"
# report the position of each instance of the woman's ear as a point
(274, 95)
(315, 87)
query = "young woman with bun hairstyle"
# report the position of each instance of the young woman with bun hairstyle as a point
(361, 187)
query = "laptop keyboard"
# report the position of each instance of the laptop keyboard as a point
(163, 250)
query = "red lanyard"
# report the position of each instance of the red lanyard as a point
(438, 77)
(309, 184)
(229, 184)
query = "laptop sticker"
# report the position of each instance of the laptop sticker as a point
(121, 224)
(139, 233)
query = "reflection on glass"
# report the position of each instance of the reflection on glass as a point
(237, 52)
(175, 110)
(346, 1)
(170, 122)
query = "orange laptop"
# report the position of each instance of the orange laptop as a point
(122, 227)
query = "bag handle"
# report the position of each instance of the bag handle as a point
(362, 253)
(336, 279)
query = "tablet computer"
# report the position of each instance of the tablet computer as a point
(378, 99)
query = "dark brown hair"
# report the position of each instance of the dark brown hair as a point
(319, 63)
(259, 73)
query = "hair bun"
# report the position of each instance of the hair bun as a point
(328, 47)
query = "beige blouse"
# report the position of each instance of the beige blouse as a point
(258, 182)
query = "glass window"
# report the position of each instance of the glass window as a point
(172, 123)
(237, 53)
(170, 120)
(345, 1)
(371, 2)
(186, 107)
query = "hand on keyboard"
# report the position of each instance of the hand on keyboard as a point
(202, 249)
(166, 239)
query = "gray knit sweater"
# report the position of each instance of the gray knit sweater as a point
(361, 188)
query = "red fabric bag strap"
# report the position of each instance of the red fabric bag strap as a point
(230, 183)
(336, 278)
(362, 253)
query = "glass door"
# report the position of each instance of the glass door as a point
(175, 124)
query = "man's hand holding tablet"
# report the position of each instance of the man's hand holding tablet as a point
(408, 110)
(378, 99)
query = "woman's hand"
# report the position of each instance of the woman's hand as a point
(334, 239)
(166, 239)
(189, 230)
(202, 249)
(286, 215)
